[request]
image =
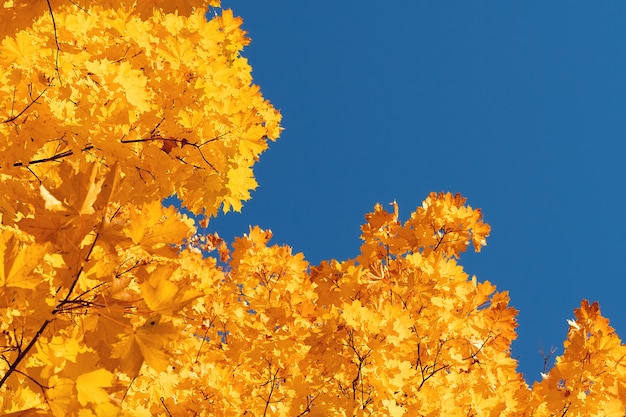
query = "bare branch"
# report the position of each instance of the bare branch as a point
(54, 157)
(33, 101)
(56, 41)
(154, 136)
(165, 406)
(23, 354)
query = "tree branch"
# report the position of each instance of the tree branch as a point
(33, 101)
(53, 157)
(23, 354)
(56, 41)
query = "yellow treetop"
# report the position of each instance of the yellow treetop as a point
(161, 104)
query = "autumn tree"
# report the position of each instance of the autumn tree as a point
(113, 304)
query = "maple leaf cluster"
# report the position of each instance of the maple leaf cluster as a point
(113, 304)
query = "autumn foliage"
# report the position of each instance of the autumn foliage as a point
(112, 304)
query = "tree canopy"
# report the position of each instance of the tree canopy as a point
(113, 304)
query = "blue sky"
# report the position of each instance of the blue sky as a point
(519, 106)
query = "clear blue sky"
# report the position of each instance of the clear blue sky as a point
(519, 106)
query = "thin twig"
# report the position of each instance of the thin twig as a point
(182, 143)
(54, 157)
(56, 41)
(165, 406)
(33, 101)
(23, 354)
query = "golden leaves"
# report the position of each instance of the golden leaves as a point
(19, 257)
(155, 227)
(20, 49)
(408, 333)
(107, 110)
(588, 378)
(164, 295)
(122, 83)
(412, 325)
(240, 182)
(442, 224)
(18, 14)
(90, 386)
(129, 85)
(111, 304)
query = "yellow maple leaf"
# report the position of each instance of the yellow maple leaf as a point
(393, 408)
(154, 226)
(240, 182)
(18, 49)
(93, 190)
(147, 343)
(50, 201)
(90, 386)
(18, 259)
(152, 339)
(164, 295)
(133, 83)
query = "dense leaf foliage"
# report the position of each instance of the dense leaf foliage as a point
(112, 304)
